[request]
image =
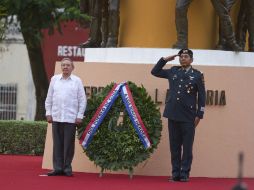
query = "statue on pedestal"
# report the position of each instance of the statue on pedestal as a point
(245, 22)
(227, 39)
(181, 22)
(222, 43)
(226, 27)
(105, 20)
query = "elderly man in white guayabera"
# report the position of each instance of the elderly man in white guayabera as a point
(65, 106)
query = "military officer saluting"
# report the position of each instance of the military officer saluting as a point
(184, 108)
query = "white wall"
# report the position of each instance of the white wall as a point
(15, 68)
(151, 56)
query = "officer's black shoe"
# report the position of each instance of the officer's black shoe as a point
(68, 174)
(55, 173)
(174, 178)
(184, 178)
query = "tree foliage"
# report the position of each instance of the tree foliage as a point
(33, 16)
(2, 23)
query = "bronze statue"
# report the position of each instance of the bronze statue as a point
(222, 9)
(245, 22)
(250, 21)
(227, 39)
(181, 22)
(105, 20)
(222, 43)
(85, 9)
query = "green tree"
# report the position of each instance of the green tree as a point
(2, 23)
(33, 16)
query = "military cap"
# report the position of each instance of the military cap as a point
(186, 51)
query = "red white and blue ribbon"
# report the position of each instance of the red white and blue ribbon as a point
(99, 115)
(134, 116)
(103, 109)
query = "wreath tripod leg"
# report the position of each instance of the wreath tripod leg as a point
(101, 172)
(130, 173)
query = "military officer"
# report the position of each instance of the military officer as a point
(184, 108)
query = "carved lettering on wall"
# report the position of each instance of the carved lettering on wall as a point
(213, 97)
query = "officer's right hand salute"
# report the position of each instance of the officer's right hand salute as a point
(170, 58)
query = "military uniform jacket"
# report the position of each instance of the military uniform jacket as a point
(186, 97)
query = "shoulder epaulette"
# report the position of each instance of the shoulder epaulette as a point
(198, 71)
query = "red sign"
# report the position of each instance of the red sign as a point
(57, 46)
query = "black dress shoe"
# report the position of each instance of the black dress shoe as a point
(68, 174)
(174, 178)
(55, 173)
(184, 179)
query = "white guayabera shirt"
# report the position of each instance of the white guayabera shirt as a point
(66, 99)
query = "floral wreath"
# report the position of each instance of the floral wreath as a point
(116, 145)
